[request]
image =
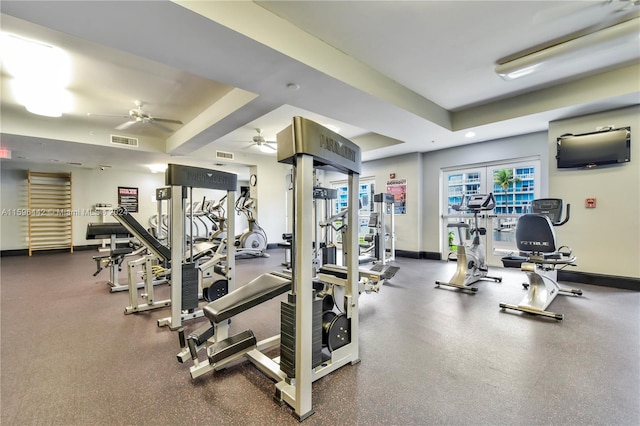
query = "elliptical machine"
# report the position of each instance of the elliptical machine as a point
(253, 240)
(471, 265)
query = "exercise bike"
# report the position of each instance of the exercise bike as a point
(541, 258)
(470, 264)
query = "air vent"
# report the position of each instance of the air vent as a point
(224, 155)
(123, 140)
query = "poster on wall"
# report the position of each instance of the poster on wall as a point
(128, 198)
(398, 187)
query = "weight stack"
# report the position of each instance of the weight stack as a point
(189, 287)
(329, 255)
(376, 251)
(288, 335)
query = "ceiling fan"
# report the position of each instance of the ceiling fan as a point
(138, 116)
(263, 144)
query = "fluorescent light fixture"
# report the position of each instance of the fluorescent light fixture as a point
(158, 168)
(590, 44)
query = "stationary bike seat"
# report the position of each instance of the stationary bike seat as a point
(458, 225)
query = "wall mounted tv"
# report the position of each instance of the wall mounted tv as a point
(588, 150)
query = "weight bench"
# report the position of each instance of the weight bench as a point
(163, 253)
(222, 348)
(157, 249)
(113, 260)
(149, 241)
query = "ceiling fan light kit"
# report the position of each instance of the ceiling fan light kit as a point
(625, 32)
(262, 144)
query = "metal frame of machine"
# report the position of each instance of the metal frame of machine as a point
(305, 145)
(383, 247)
(179, 177)
(180, 180)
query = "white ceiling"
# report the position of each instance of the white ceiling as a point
(396, 77)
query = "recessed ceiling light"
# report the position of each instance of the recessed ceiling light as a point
(293, 86)
(469, 134)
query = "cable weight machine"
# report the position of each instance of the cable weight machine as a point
(306, 145)
(181, 180)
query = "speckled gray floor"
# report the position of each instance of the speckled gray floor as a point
(69, 356)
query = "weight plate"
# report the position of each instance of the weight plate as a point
(338, 333)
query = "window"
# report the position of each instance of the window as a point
(514, 188)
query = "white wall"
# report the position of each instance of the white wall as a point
(606, 239)
(88, 188)
(408, 167)
(272, 191)
(95, 186)
(407, 226)
(13, 195)
(524, 146)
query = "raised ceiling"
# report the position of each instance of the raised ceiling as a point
(397, 77)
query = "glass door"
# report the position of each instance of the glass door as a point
(514, 188)
(513, 185)
(458, 186)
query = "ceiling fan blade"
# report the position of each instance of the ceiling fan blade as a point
(167, 120)
(267, 144)
(126, 125)
(90, 114)
(160, 126)
(249, 146)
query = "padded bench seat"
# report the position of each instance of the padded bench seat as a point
(517, 261)
(103, 231)
(115, 253)
(265, 287)
(513, 261)
(121, 251)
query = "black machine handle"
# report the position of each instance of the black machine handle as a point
(488, 203)
(566, 218)
(192, 348)
(181, 339)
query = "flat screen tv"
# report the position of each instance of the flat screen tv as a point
(588, 150)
